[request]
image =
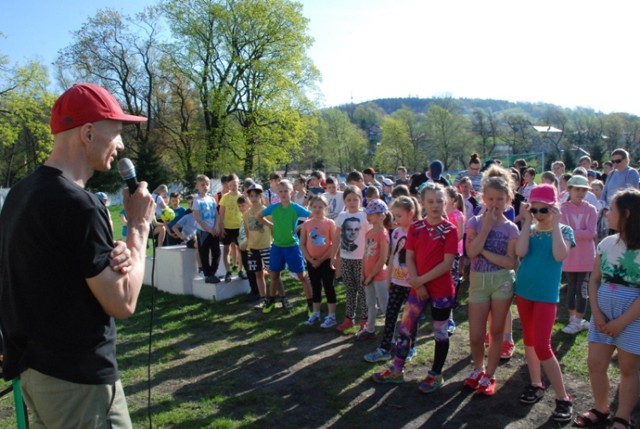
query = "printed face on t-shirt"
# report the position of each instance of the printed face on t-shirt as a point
(350, 229)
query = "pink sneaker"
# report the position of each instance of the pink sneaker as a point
(363, 324)
(487, 386)
(473, 379)
(346, 324)
(507, 350)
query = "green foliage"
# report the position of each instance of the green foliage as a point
(448, 133)
(25, 105)
(247, 62)
(343, 144)
(395, 147)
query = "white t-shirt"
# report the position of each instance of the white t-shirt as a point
(336, 204)
(353, 228)
(207, 207)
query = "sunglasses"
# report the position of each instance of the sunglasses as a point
(617, 161)
(543, 210)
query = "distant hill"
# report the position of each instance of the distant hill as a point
(466, 105)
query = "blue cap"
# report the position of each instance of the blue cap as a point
(102, 196)
(376, 206)
(435, 168)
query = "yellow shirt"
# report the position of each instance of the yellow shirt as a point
(259, 234)
(232, 214)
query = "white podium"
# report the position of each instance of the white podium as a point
(176, 272)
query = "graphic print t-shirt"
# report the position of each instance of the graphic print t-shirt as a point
(497, 242)
(319, 235)
(353, 228)
(400, 273)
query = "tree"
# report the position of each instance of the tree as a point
(395, 147)
(179, 125)
(555, 117)
(270, 41)
(447, 132)
(247, 61)
(344, 144)
(25, 107)
(518, 132)
(416, 129)
(484, 124)
(587, 129)
(121, 54)
(369, 118)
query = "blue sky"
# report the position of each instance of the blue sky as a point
(570, 52)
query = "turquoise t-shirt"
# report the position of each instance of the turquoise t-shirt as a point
(284, 222)
(538, 277)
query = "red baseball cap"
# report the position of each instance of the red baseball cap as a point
(83, 103)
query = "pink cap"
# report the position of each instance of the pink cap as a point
(544, 194)
(83, 103)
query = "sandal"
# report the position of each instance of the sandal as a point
(584, 421)
(623, 422)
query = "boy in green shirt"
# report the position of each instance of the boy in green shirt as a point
(285, 249)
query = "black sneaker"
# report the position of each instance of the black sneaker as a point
(212, 279)
(564, 411)
(269, 305)
(531, 394)
(262, 304)
(227, 277)
(243, 275)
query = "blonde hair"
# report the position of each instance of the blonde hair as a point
(408, 204)
(498, 178)
(160, 189)
(284, 183)
(202, 178)
(319, 198)
(432, 187)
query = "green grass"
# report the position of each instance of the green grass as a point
(223, 365)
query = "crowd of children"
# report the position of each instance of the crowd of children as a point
(511, 238)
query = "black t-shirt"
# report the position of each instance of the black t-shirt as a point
(422, 178)
(53, 236)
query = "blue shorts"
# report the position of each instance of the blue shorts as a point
(290, 256)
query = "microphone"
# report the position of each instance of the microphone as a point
(128, 173)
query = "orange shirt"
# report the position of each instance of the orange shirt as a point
(375, 242)
(319, 234)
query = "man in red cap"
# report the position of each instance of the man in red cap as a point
(60, 288)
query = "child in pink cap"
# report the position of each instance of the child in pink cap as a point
(542, 246)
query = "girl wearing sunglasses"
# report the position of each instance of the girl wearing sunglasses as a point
(542, 246)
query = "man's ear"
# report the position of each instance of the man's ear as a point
(86, 132)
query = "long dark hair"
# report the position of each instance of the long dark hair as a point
(627, 202)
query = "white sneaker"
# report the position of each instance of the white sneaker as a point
(585, 325)
(329, 322)
(313, 319)
(573, 327)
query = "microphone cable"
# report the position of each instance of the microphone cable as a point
(151, 314)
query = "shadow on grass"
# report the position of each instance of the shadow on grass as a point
(225, 365)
